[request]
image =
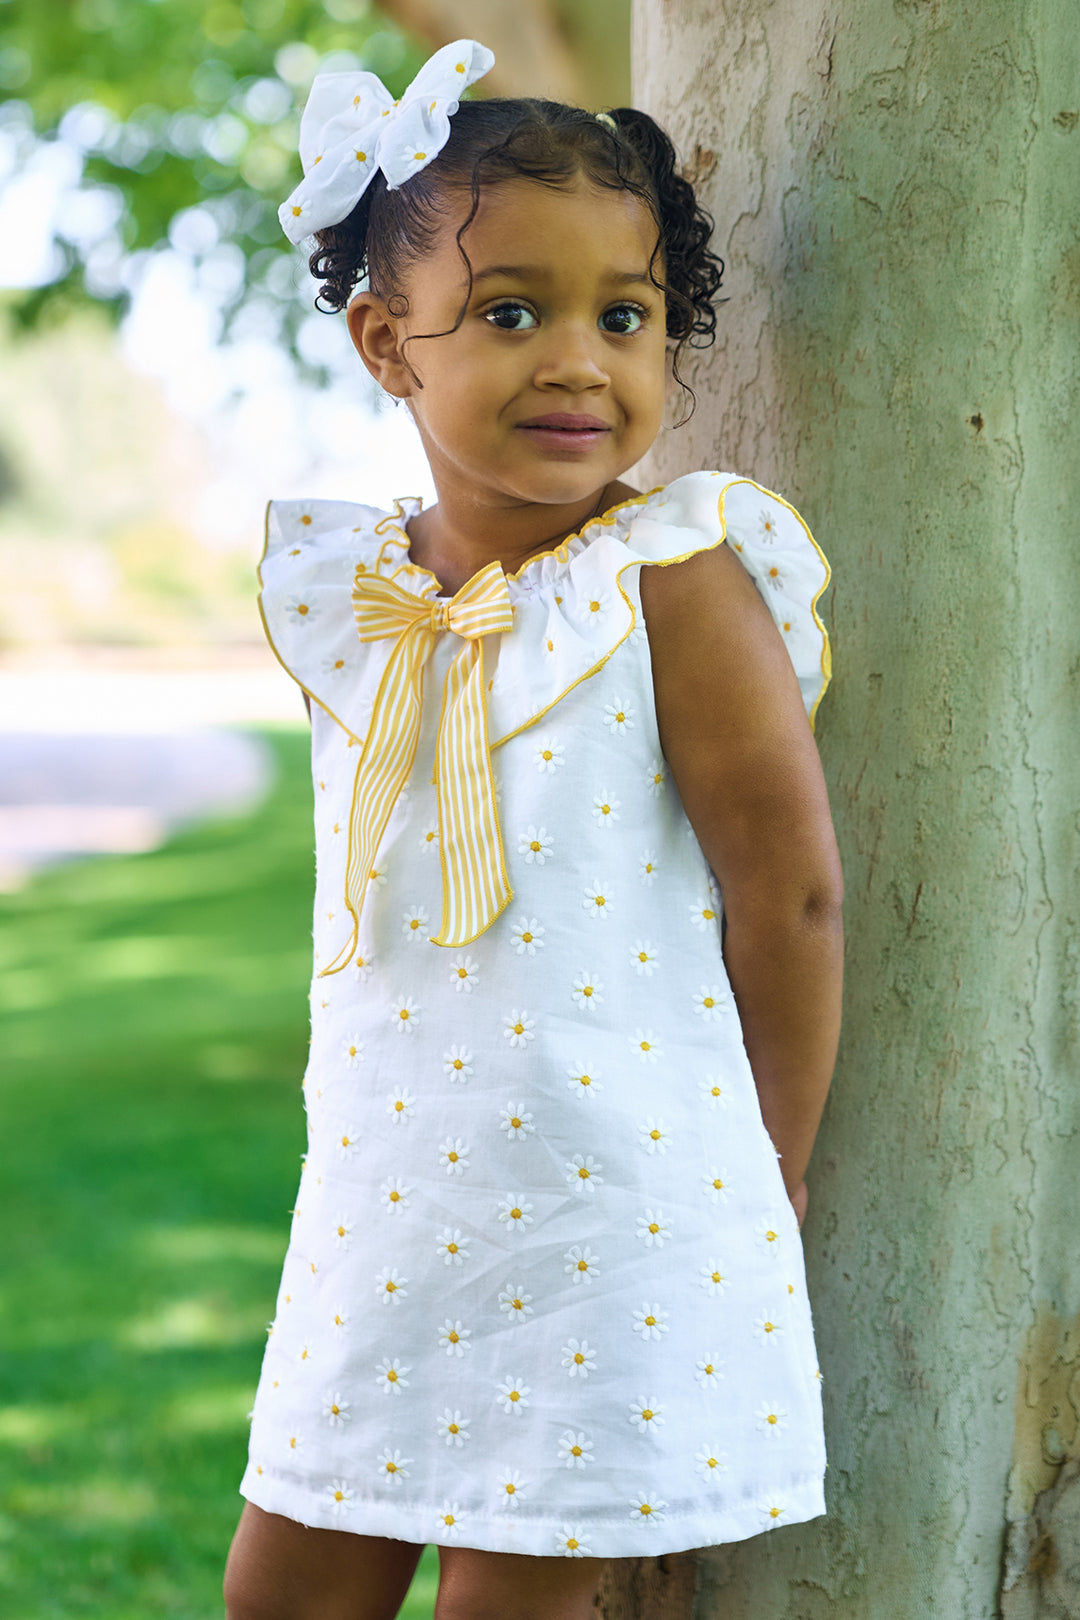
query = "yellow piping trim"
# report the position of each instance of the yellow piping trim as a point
(665, 562)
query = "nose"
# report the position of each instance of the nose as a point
(572, 358)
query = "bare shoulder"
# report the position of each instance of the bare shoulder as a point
(711, 633)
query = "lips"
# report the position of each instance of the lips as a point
(567, 422)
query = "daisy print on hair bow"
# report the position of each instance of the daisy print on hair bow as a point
(352, 126)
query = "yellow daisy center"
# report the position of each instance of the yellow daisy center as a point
(646, 1509)
(339, 1496)
(718, 1185)
(452, 1156)
(708, 915)
(403, 1014)
(575, 1451)
(414, 923)
(535, 845)
(650, 1321)
(336, 1410)
(708, 1002)
(585, 1079)
(583, 1265)
(518, 1304)
(771, 1418)
(605, 809)
(715, 1092)
(515, 1395)
(515, 1122)
(395, 1196)
(453, 1337)
(546, 754)
(572, 1543)
(775, 1512)
(620, 716)
(399, 1106)
(709, 1369)
(519, 1029)
(463, 973)
(768, 1326)
(391, 1468)
(717, 1277)
(448, 1519)
(361, 157)
(515, 1214)
(526, 938)
(583, 1173)
(302, 608)
(451, 1248)
(578, 1357)
(594, 607)
(420, 157)
(510, 1488)
(452, 1428)
(391, 1377)
(646, 1413)
(654, 1227)
(391, 1288)
(770, 1237)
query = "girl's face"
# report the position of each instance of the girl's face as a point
(554, 383)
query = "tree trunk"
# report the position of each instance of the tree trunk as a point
(895, 187)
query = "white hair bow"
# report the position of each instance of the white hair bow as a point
(352, 126)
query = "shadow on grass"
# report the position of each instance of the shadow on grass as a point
(154, 1035)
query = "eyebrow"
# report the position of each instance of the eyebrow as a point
(535, 272)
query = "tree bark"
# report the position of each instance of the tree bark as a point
(895, 189)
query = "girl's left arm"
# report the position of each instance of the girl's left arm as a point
(735, 734)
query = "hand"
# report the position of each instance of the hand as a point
(799, 1200)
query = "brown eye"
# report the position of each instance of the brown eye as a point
(508, 317)
(622, 319)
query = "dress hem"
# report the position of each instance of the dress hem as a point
(540, 1536)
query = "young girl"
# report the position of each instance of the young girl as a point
(543, 1302)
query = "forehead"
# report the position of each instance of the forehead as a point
(581, 228)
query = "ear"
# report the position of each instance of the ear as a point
(376, 335)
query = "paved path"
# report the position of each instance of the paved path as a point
(95, 762)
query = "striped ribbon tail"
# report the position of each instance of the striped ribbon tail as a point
(384, 765)
(475, 885)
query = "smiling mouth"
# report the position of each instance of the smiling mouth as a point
(566, 422)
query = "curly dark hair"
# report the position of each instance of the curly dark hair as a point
(544, 141)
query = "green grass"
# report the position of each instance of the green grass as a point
(154, 1035)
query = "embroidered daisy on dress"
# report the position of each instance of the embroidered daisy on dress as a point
(453, 1428)
(465, 974)
(363, 963)
(518, 1028)
(582, 1265)
(390, 1285)
(582, 1173)
(353, 1052)
(578, 1358)
(536, 845)
(653, 1229)
(457, 1063)
(713, 1276)
(771, 1419)
(395, 1194)
(711, 1463)
(715, 1186)
(334, 666)
(767, 1237)
(654, 1136)
(392, 1466)
(548, 756)
(415, 923)
(347, 1143)
(593, 607)
(406, 1015)
(650, 1322)
(429, 840)
(511, 1488)
(605, 810)
(708, 1003)
(767, 526)
(646, 1417)
(709, 1372)
(645, 1045)
(336, 1410)
(401, 1105)
(619, 718)
(513, 1395)
(772, 1511)
(597, 900)
(768, 1328)
(515, 1302)
(340, 1320)
(575, 1449)
(703, 915)
(452, 1247)
(713, 1092)
(516, 1212)
(527, 936)
(586, 990)
(391, 1375)
(648, 868)
(655, 777)
(449, 1519)
(343, 1233)
(582, 1083)
(570, 1542)
(644, 957)
(341, 1497)
(648, 1509)
(775, 577)
(516, 1122)
(296, 1442)
(454, 1155)
(299, 611)
(454, 1339)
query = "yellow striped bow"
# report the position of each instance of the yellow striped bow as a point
(474, 882)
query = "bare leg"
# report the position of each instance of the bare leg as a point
(512, 1586)
(281, 1570)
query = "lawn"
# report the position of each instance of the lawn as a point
(154, 1035)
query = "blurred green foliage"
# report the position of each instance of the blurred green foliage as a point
(154, 1038)
(186, 115)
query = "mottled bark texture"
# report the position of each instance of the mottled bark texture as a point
(896, 188)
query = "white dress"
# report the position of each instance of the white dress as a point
(544, 1291)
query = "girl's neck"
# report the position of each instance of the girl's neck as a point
(454, 542)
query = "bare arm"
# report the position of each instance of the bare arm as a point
(736, 737)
